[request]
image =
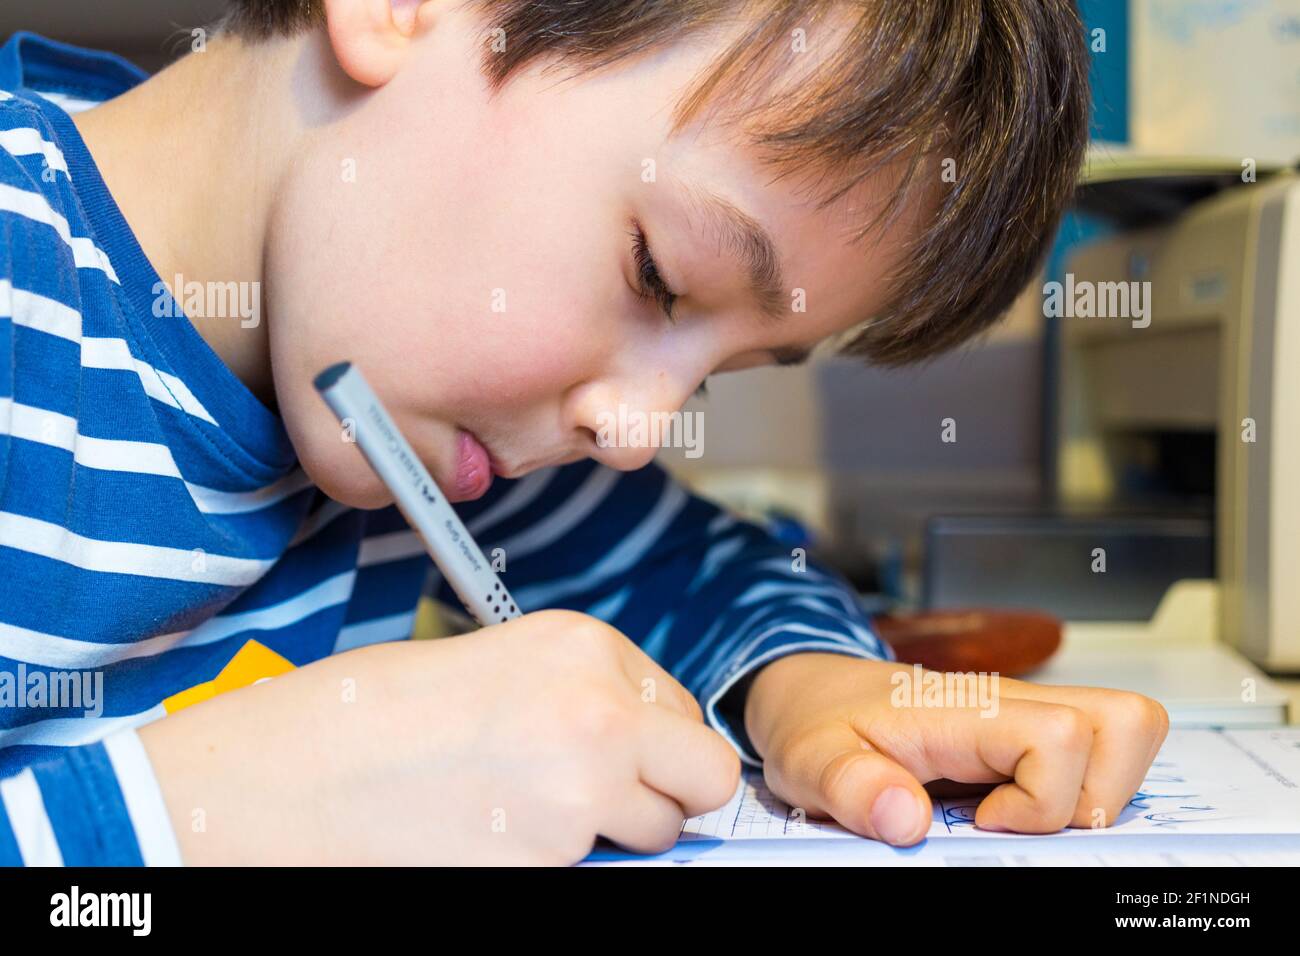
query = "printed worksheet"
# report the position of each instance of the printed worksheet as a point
(1211, 796)
(1203, 781)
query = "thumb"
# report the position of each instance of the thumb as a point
(835, 773)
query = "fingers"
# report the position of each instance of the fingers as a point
(654, 719)
(1037, 752)
(686, 761)
(1058, 762)
(678, 755)
(1128, 731)
(645, 821)
(834, 773)
(1045, 748)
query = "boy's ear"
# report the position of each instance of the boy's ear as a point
(371, 38)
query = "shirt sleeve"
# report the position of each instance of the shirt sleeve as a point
(94, 805)
(709, 596)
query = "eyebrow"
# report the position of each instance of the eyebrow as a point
(754, 248)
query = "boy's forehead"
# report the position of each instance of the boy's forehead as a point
(846, 247)
(842, 252)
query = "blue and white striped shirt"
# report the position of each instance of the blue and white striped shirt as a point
(154, 519)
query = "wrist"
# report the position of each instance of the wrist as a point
(226, 777)
(773, 690)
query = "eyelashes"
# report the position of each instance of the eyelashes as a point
(652, 285)
(651, 282)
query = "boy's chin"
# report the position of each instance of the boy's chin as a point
(349, 483)
(364, 492)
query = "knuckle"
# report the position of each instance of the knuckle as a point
(1138, 712)
(586, 633)
(693, 709)
(563, 621)
(1065, 728)
(1158, 717)
(722, 775)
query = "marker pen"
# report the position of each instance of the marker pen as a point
(418, 497)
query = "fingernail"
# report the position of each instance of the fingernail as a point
(895, 816)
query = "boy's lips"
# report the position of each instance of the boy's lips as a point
(476, 465)
(474, 468)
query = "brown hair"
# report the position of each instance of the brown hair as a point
(994, 92)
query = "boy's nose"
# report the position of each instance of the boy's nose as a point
(628, 427)
(624, 455)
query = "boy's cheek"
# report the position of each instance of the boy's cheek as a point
(331, 459)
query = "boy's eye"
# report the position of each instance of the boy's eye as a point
(652, 284)
(648, 277)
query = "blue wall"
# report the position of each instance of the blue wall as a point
(1109, 74)
(1110, 121)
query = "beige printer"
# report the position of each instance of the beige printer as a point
(1216, 359)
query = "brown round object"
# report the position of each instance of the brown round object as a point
(1008, 642)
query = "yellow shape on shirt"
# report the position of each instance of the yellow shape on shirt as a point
(253, 662)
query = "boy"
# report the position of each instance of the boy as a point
(516, 217)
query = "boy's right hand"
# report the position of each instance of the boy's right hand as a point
(519, 743)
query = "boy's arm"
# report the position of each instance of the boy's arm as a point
(710, 597)
(93, 805)
(715, 600)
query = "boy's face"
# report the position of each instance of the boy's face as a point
(480, 265)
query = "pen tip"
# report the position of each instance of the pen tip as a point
(331, 375)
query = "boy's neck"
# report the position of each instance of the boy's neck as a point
(193, 157)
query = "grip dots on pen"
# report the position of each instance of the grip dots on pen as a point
(499, 599)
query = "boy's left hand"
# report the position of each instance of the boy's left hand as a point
(844, 738)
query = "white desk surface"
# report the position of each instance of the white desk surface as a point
(1177, 658)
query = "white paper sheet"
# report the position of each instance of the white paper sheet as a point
(1220, 797)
